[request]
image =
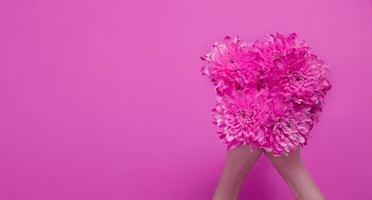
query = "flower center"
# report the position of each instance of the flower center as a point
(245, 116)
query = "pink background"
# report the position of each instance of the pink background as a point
(104, 100)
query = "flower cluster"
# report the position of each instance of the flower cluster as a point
(269, 93)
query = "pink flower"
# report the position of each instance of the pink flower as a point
(228, 65)
(240, 116)
(269, 93)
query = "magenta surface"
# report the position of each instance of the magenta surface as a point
(103, 100)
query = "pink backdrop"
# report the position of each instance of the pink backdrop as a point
(104, 100)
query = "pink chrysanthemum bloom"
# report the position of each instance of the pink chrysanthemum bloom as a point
(228, 65)
(241, 117)
(269, 93)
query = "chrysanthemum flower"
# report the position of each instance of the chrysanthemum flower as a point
(269, 93)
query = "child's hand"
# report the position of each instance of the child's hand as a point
(238, 164)
(292, 170)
